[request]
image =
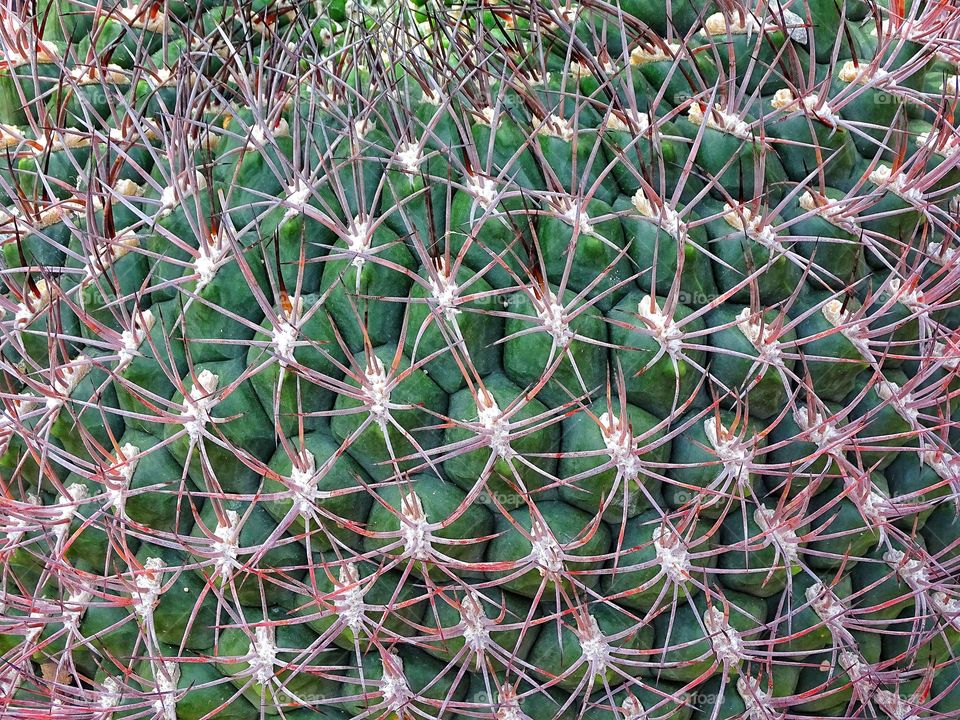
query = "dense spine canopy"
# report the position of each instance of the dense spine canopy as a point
(496, 360)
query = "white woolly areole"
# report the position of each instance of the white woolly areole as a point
(672, 554)
(899, 399)
(166, 681)
(553, 316)
(409, 156)
(16, 527)
(619, 442)
(284, 340)
(951, 84)
(487, 116)
(363, 126)
(742, 218)
(226, 545)
(197, 404)
(182, 187)
(942, 256)
(150, 18)
(913, 570)
(884, 177)
(944, 143)
(147, 587)
(829, 210)
(348, 602)
(735, 455)
(822, 433)
(414, 527)
(65, 381)
(495, 426)
(784, 99)
(661, 326)
(948, 354)
(632, 709)
(67, 508)
(12, 27)
(108, 253)
(118, 478)
(664, 215)
(725, 640)
(95, 75)
(859, 672)
(78, 601)
(482, 188)
(945, 464)
(393, 684)
(948, 607)
(640, 122)
(376, 391)
(897, 707)
(593, 645)
(909, 297)
(109, 695)
(758, 705)
(508, 706)
(297, 196)
(642, 56)
(760, 334)
(834, 314)
(734, 24)
(128, 188)
(262, 654)
(261, 135)
(444, 289)
(212, 254)
(476, 634)
(35, 301)
(719, 120)
(303, 483)
(829, 608)
(778, 533)
(545, 552)
(853, 72)
(10, 136)
(132, 338)
(556, 126)
(574, 214)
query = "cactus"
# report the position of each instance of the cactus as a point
(519, 361)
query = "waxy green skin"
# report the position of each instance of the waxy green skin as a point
(654, 380)
(448, 340)
(296, 391)
(614, 490)
(654, 252)
(465, 532)
(697, 464)
(296, 681)
(508, 477)
(392, 609)
(578, 366)
(637, 581)
(740, 365)
(380, 444)
(686, 642)
(562, 657)
(501, 608)
(567, 525)
(338, 479)
(238, 417)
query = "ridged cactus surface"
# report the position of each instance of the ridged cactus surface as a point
(497, 360)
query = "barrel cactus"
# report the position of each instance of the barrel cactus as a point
(497, 360)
